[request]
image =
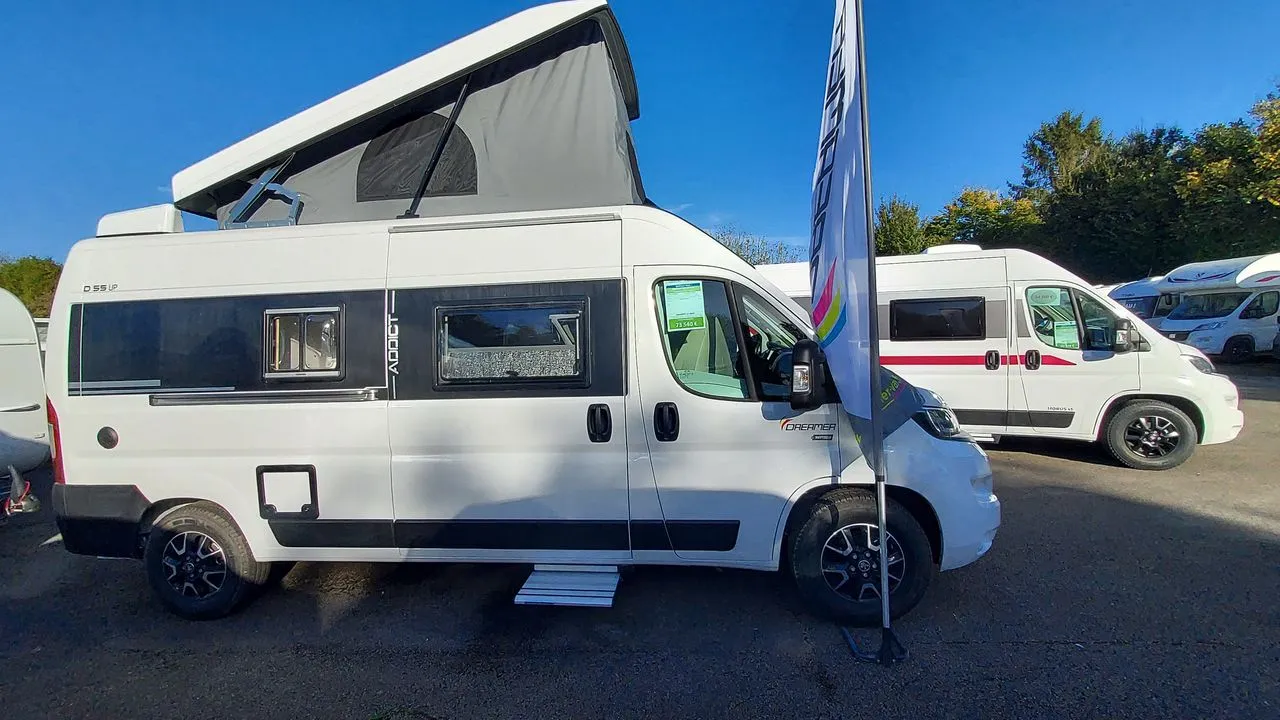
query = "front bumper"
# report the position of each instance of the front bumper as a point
(100, 520)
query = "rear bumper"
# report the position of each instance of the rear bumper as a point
(99, 520)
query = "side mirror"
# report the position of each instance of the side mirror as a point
(1124, 336)
(808, 375)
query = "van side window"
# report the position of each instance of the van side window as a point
(698, 335)
(512, 343)
(769, 339)
(303, 343)
(1053, 317)
(1265, 305)
(960, 318)
(1099, 323)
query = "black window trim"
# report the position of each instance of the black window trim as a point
(732, 297)
(585, 349)
(982, 319)
(303, 375)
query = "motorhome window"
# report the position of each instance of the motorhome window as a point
(1053, 317)
(1166, 304)
(1099, 323)
(769, 339)
(1265, 305)
(959, 318)
(391, 165)
(303, 343)
(512, 343)
(698, 336)
(1143, 307)
(1208, 305)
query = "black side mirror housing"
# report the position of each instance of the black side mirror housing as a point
(1123, 341)
(808, 376)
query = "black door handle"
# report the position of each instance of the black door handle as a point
(599, 423)
(1032, 360)
(666, 422)
(993, 360)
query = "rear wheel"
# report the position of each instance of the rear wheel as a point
(199, 565)
(1151, 435)
(835, 558)
(1237, 350)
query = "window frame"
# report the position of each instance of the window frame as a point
(739, 299)
(585, 358)
(1258, 300)
(982, 319)
(339, 313)
(1075, 309)
(732, 298)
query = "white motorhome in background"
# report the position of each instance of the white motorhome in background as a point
(24, 441)
(1020, 346)
(1144, 299)
(1228, 307)
(495, 374)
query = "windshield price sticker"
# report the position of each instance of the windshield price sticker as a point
(685, 307)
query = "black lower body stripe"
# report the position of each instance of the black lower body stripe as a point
(680, 535)
(1046, 419)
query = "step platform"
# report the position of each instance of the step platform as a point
(574, 585)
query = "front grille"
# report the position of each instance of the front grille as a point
(1179, 336)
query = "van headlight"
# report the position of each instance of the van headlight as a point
(941, 423)
(1209, 326)
(1200, 363)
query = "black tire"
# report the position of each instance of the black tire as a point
(190, 529)
(857, 506)
(1237, 350)
(1132, 424)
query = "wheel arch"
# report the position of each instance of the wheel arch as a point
(159, 509)
(1186, 405)
(914, 502)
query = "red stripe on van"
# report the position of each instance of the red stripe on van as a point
(953, 360)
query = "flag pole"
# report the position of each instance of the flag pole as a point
(891, 650)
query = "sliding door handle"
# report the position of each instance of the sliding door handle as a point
(666, 422)
(599, 423)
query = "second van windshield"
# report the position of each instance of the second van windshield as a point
(1210, 305)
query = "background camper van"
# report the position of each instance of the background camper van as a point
(1228, 308)
(24, 441)
(511, 357)
(1144, 299)
(1019, 346)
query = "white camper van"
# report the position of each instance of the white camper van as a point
(1228, 308)
(24, 441)
(1019, 346)
(514, 359)
(1144, 299)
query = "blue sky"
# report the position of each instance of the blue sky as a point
(101, 107)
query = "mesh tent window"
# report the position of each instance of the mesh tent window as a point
(391, 165)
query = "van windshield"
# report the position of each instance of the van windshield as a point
(1143, 307)
(1210, 305)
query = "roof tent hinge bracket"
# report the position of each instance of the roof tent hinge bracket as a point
(263, 185)
(430, 169)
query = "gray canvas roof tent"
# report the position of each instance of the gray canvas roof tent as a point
(530, 113)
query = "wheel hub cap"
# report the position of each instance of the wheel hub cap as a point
(1152, 436)
(851, 562)
(194, 564)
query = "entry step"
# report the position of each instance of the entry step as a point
(577, 585)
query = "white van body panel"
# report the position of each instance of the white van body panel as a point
(442, 465)
(1070, 392)
(24, 440)
(1253, 286)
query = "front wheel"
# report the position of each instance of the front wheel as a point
(199, 565)
(1237, 350)
(1151, 435)
(835, 558)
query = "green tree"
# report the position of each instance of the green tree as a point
(899, 230)
(32, 280)
(755, 249)
(1058, 152)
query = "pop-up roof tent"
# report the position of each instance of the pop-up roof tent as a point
(530, 113)
(1255, 271)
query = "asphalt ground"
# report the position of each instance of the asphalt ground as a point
(1109, 593)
